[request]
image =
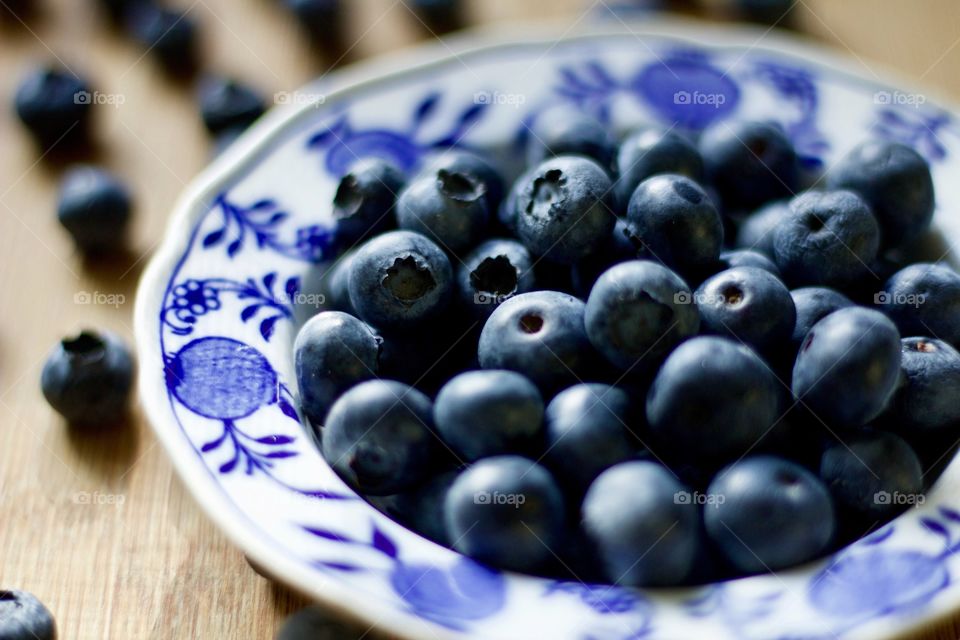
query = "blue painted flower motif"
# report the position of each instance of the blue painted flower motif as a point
(796, 86)
(193, 297)
(601, 598)
(916, 128)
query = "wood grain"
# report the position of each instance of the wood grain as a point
(153, 566)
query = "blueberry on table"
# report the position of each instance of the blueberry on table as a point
(171, 36)
(562, 133)
(564, 208)
(924, 299)
(312, 623)
(749, 163)
(487, 413)
(813, 304)
(671, 219)
(747, 258)
(848, 366)
(541, 335)
(320, 19)
(506, 511)
(94, 207)
(712, 399)
(757, 230)
(23, 617)
(449, 207)
(770, 514)
(439, 16)
(363, 204)
(652, 151)
(828, 238)
(227, 104)
(399, 279)
(637, 312)
(493, 272)
(895, 180)
(747, 304)
(87, 378)
(333, 352)
(646, 534)
(926, 401)
(589, 428)
(872, 474)
(379, 437)
(471, 164)
(54, 105)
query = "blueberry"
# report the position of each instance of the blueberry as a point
(421, 508)
(651, 151)
(616, 249)
(55, 106)
(748, 304)
(773, 514)
(227, 104)
(670, 219)
(926, 401)
(448, 207)
(363, 204)
(505, 511)
(477, 167)
(828, 238)
(561, 133)
(749, 163)
(23, 617)
(712, 399)
(428, 355)
(748, 258)
(540, 335)
(87, 378)
(439, 16)
(312, 623)
(379, 437)
(813, 304)
(895, 180)
(320, 19)
(873, 474)
(493, 272)
(772, 12)
(488, 413)
(637, 312)
(924, 299)
(757, 230)
(333, 352)
(848, 366)
(334, 283)
(117, 9)
(589, 428)
(564, 209)
(169, 35)
(94, 207)
(645, 534)
(399, 279)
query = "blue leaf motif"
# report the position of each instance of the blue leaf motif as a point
(280, 455)
(383, 544)
(249, 312)
(950, 514)
(276, 439)
(267, 326)
(227, 467)
(234, 247)
(932, 525)
(213, 237)
(288, 409)
(328, 535)
(426, 107)
(338, 566)
(291, 287)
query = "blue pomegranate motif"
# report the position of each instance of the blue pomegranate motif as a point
(684, 88)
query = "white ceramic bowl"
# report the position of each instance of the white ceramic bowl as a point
(215, 323)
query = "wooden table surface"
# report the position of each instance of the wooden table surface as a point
(97, 525)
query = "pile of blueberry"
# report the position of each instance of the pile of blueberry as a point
(657, 362)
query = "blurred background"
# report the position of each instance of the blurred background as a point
(147, 564)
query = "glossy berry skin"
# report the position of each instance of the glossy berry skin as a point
(333, 352)
(872, 474)
(363, 204)
(616, 249)
(54, 106)
(561, 133)
(539, 334)
(421, 508)
(23, 617)
(923, 299)
(748, 258)
(895, 180)
(747, 304)
(448, 207)
(94, 207)
(712, 399)
(848, 366)
(644, 535)
(757, 230)
(775, 514)
(493, 272)
(379, 437)
(926, 400)
(87, 378)
(652, 151)
(227, 104)
(564, 209)
(589, 428)
(813, 304)
(475, 166)
(399, 279)
(828, 238)
(169, 35)
(313, 623)
(749, 163)
(487, 413)
(505, 511)
(672, 220)
(637, 312)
